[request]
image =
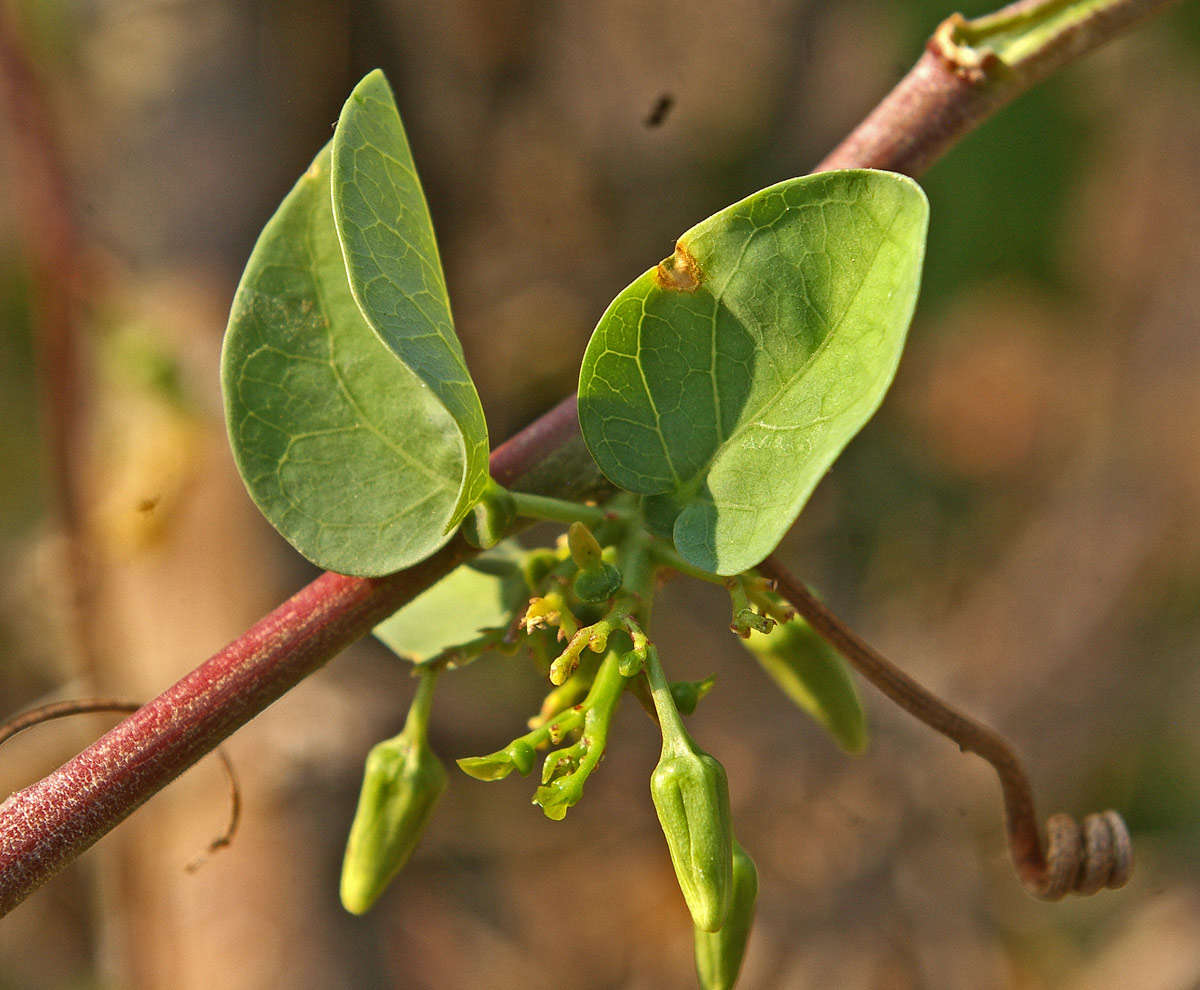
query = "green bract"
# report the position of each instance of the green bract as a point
(352, 417)
(490, 518)
(724, 382)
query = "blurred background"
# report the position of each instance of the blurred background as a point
(1017, 527)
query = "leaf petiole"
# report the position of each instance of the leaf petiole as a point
(559, 510)
(663, 555)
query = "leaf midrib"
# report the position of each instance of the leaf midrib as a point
(322, 303)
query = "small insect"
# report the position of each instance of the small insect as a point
(658, 112)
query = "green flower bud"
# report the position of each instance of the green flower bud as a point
(691, 796)
(631, 663)
(585, 551)
(402, 783)
(719, 954)
(597, 584)
(490, 519)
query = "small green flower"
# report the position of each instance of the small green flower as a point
(518, 755)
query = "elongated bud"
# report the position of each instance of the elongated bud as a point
(810, 672)
(401, 784)
(691, 796)
(719, 954)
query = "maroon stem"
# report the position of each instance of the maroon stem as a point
(941, 107)
(46, 825)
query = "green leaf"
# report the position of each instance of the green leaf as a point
(393, 266)
(724, 382)
(810, 672)
(483, 594)
(340, 441)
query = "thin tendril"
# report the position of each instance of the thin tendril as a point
(1080, 859)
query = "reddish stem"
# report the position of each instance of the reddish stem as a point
(51, 822)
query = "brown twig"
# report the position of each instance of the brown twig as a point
(84, 706)
(62, 709)
(1080, 860)
(51, 822)
(966, 74)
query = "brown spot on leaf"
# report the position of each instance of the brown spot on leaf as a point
(679, 273)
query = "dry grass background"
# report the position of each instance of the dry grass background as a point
(1017, 527)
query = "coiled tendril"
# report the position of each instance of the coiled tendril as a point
(1076, 858)
(1080, 859)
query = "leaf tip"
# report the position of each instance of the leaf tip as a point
(680, 272)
